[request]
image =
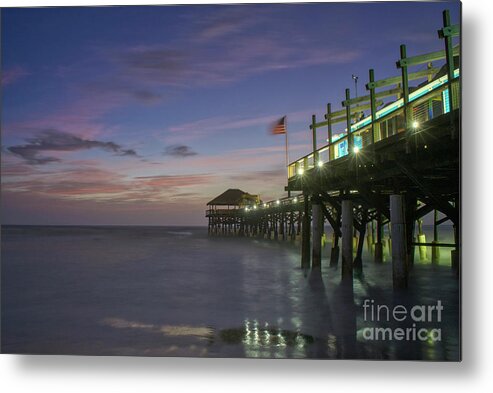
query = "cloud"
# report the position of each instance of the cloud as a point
(260, 176)
(179, 151)
(226, 22)
(146, 96)
(58, 141)
(227, 46)
(224, 63)
(174, 181)
(77, 181)
(111, 87)
(12, 75)
(187, 195)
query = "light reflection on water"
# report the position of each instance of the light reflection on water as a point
(155, 292)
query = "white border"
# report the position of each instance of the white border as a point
(112, 374)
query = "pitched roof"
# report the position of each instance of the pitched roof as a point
(233, 196)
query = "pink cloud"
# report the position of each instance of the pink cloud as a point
(175, 180)
(12, 75)
(100, 185)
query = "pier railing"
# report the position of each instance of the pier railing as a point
(424, 104)
(277, 203)
(221, 212)
(349, 130)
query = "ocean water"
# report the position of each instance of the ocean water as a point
(174, 291)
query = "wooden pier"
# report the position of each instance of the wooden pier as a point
(383, 165)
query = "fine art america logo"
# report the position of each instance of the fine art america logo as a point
(401, 323)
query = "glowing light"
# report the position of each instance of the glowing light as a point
(356, 149)
(415, 124)
(300, 171)
(320, 164)
(265, 204)
(295, 200)
(278, 202)
(246, 209)
(255, 207)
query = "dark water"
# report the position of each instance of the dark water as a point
(166, 291)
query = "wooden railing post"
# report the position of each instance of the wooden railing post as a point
(405, 88)
(447, 33)
(373, 106)
(348, 122)
(328, 116)
(314, 137)
(449, 54)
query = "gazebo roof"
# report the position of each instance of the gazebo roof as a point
(233, 197)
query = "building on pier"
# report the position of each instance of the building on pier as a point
(224, 210)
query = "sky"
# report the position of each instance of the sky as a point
(140, 115)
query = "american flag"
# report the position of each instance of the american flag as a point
(279, 127)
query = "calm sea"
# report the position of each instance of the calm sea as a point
(173, 291)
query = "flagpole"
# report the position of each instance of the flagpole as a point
(287, 151)
(286, 128)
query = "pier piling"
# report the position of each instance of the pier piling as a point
(435, 251)
(358, 260)
(347, 240)
(334, 252)
(378, 244)
(305, 236)
(317, 228)
(398, 233)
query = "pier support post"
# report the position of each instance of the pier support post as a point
(293, 226)
(358, 260)
(347, 240)
(305, 236)
(435, 251)
(283, 226)
(398, 231)
(410, 212)
(317, 228)
(422, 239)
(276, 226)
(378, 244)
(370, 234)
(334, 253)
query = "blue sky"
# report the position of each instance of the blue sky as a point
(141, 114)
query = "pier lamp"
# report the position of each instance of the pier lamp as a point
(320, 164)
(246, 209)
(254, 207)
(300, 171)
(295, 200)
(278, 202)
(415, 125)
(265, 204)
(356, 149)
